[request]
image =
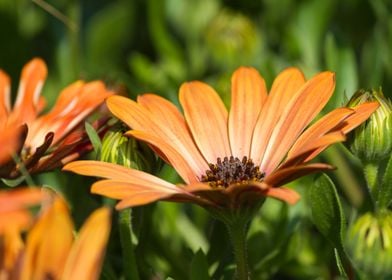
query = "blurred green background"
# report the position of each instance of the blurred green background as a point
(153, 46)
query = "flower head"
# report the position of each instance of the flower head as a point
(369, 244)
(44, 141)
(228, 159)
(50, 250)
(372, 141)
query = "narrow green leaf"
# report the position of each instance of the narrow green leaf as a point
(13, 182)
(339, 264)
(94, 137)
(327, 213)
(199, 267)
(385, 190)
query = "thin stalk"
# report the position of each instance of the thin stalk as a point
(237, 232)
(128, 250)
(345, 175)
(23, 170)
(371, 174)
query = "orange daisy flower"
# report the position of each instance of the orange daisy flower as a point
(228, 159)
(45, 141)
(50, 250)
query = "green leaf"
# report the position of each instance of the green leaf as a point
(385, 190)
(327, 213)
(94, 137)
(199, 267)
(340, 264)
(13, 182)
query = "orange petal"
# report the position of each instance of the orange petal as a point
(167, 117)
(286, 84)
(121, 190)
(87, 254)
(11, 251)
(17, 220)
(74, 104)
(286, 175)
(116, 172)
(312, 149)
(206, 117)
(31, 82)
(20, 198)
(5, 91)
(11, 141)
(362, 113)
(320, 128)
(48, 243)
(307, 103)
(196, 187)
(175, 159)
(139, 117)
(248, 94)
(127, 110)
(136, 195)
(288, 195)
(141, 198)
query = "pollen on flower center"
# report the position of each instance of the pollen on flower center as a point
(230, 171)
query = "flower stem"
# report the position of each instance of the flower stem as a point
(237, 232)
(129, 260)
(371, 173)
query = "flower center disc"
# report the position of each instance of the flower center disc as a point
(230, 171)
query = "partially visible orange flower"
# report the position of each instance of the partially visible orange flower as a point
(14, 207)
(49, 140)
(228, 159)
(50, 250)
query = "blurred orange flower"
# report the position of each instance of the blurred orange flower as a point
(45, 141)
(228, 159)
(50, 250)
(14, 207)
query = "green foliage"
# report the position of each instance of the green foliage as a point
(94, 138)
(385, 187)
(199, 267)
(154, 46)
(327, 212)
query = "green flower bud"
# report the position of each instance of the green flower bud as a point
(125, 151)
(369, 245)
(372, 141)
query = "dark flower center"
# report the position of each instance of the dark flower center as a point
(230, 171)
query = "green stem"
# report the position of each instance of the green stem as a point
(23, 171)
(237, 232)
(348, 182)
(371, 173)
(129, 260)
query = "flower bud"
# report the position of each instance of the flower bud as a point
(372, 141)
(125, 151)
(369, 244)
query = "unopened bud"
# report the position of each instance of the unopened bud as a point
(125, 151)
(372, 141)
(369, 244)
